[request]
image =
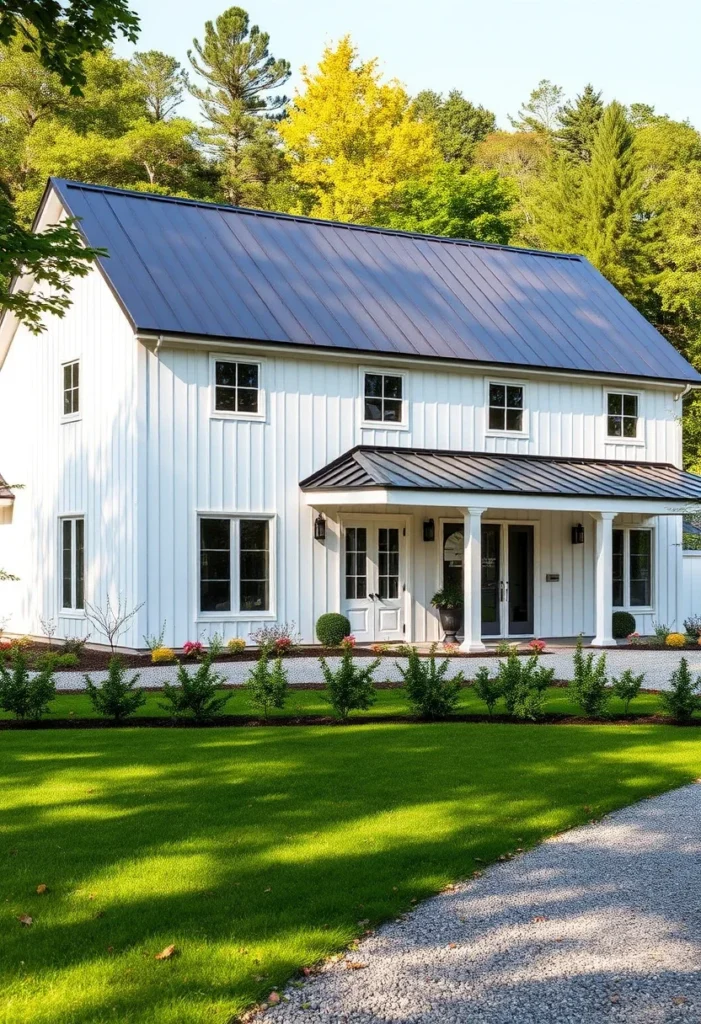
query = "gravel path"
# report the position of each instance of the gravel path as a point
(657, 666)
(600, 925)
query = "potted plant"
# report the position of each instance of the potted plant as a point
(449, 602)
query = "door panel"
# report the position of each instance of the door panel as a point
(491, 579)
(520, 585)
(373, 590)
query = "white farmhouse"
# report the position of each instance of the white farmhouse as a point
(246, 417)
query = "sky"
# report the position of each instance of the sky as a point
(494, 52)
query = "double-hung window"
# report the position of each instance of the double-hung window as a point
(72, 538)
(632, 568)
(384, 399)
(622, 415)
(506, 410)
(235, 565)
(71, 389)
(237, 388)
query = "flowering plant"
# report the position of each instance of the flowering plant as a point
(451, 648)
(236, 645)
(162, 656)
(348, 642)
(675, 640)
(282, 644)
(381, 648)
(633, 638)
(536, 646)
(193, 649)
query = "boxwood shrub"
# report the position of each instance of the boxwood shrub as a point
(623, 625)
(331, 628)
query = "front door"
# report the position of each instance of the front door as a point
(373, 585)
(520, 580)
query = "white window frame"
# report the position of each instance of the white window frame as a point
(234, 614)
(385, 371)
(71, 417)
(639, 438)
(635, 609)
(525, 419)
(223, 414)
(72, 611)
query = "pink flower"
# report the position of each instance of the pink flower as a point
(348, 641)
(282, 644)
(193, 648)
(537, 646)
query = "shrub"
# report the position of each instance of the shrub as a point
(675, 640)
(195, 695)
(216, 645)
(236, 646)
(266, 686)
(23, 696)
(75, 644)
(692, 625)
(193, 649)
(117, 697)
(622, 625)
(448, 597)
(522, 682)
(349, 688)
(627, 687)
(162, 656)
(282, 644)
(589, 683)
(661, 631)
(269, 637)
(331, 629)
(429, 693)
(487, 688)
(53, 660)
(681, 700)
(348, 642)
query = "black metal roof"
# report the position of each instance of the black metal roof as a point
(191, 268)
(489, 473)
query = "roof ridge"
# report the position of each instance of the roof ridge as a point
(298, 219)
(499, 455)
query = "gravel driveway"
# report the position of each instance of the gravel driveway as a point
(657, 666)
(600, 924)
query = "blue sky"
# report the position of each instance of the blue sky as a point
(495, 52)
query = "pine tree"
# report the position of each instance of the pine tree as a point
(458, 123)
(162, 79)
(235, 62)
(578, 123)
(539, 113)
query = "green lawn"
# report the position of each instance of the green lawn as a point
(257, 851)
(389, 702)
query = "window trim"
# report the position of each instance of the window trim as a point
(224, 414)
(72, 611)
(639, 438)
(71, 417)
(235, 615)
(525, 431)
(637, 609)
(384, 371)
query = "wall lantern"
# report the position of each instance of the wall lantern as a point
(429, 530)
(320, 528)
(578, 534)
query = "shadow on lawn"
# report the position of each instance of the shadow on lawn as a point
(258, 852)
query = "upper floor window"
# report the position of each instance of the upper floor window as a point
(384, 398)
(622, 413)
(506, 407)
(71, 388)
(235, 565)
(73, 563)
(237, 388)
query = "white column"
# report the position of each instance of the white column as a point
(472, 580)
(603, 579)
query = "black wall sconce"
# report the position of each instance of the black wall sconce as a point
(429, 530)
(320, 528)
(578, 534)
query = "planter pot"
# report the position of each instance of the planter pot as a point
(451, 621)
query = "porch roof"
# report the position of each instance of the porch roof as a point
(6, 495)
(488, 474)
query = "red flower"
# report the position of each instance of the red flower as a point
(193, 648)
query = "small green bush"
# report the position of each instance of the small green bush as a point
(195, 696)
(267, 687)
(117, 697)
(682, 699)
(487, 688)
(23, 696)
(589, 684)
(429, 693)
(74, 645)
(622, 625)
(627, 687)
(349, 688)
(331, 629)
(522, 683)
(52, 660)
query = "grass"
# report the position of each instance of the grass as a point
(389, 702)
(259, 851)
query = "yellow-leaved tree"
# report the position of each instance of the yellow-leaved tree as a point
(351, 138)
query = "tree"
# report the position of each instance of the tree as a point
(61, 32)
(539, 113)
(240, 73)
(473, 205)
(162, 79)
(553, 205)
(351, 138)
(578, 122)
(458, 123)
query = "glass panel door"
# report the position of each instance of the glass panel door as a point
(520, 580)
(491, 579)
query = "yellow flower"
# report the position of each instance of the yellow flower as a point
(237, 645)
(675, 640)
(162, 655)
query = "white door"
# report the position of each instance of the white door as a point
(373, 582)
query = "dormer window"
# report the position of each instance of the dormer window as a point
(622, 415)
(506, 407)
(384, 398)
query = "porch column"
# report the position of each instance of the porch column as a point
(472, 580)
(603, 579)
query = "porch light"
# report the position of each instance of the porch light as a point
(578, 534)
(429, 530)
(320, 528)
